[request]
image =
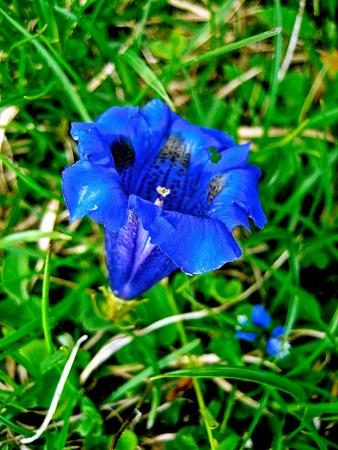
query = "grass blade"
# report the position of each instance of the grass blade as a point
(148, 372)
(230, 48)
(141, 68)
(240, 373)
(68, 87)
(30, 236)
(45, 305)
(28, 180)
(274, 83)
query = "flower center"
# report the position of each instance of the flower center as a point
(170, 168)
(163, 191)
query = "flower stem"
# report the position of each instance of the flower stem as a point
(196, 382)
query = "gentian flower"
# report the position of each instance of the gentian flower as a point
(148, 176)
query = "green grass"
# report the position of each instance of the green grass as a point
(185, 382)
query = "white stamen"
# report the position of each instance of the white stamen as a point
(163, 191)
(159, 202)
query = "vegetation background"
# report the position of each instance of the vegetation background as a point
(265, 72)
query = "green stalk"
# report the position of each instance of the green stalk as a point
(274, 84)
(45, 305)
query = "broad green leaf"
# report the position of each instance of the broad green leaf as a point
(91, 423)
(35, 351)
(15, 276)
(169, 49)
(127, 441)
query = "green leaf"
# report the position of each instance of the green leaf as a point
(308, 28)
(226, 290)
(13, 426)
(52, 63)
(91, 423)
(16, 315)
(141, 68)
(318, 409)
(212, 54)
(155, 308)
(35, 351)
(127, 441)
(30, 236)
(229, 443)
(57, 359)
(169, 49)
(27, 179)
(240, 373)
(15, 276)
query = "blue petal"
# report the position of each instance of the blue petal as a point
(212, 180)
(92, 146)
(246, 336)
(195, 244)
(178, 165)
(180, 160)
(196, 143)
(273, 346)
(134, 264)
(231, 158)
(158, 118)
(95, 191)
(126, 133)
(223, 139)
(277, 347)
(238, 199)
(144, 131)
(260, 316)
(120, 121)
(278, 331)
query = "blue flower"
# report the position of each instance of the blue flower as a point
(147, 175)
(276, 345)
(259, 317)
(246, 336)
